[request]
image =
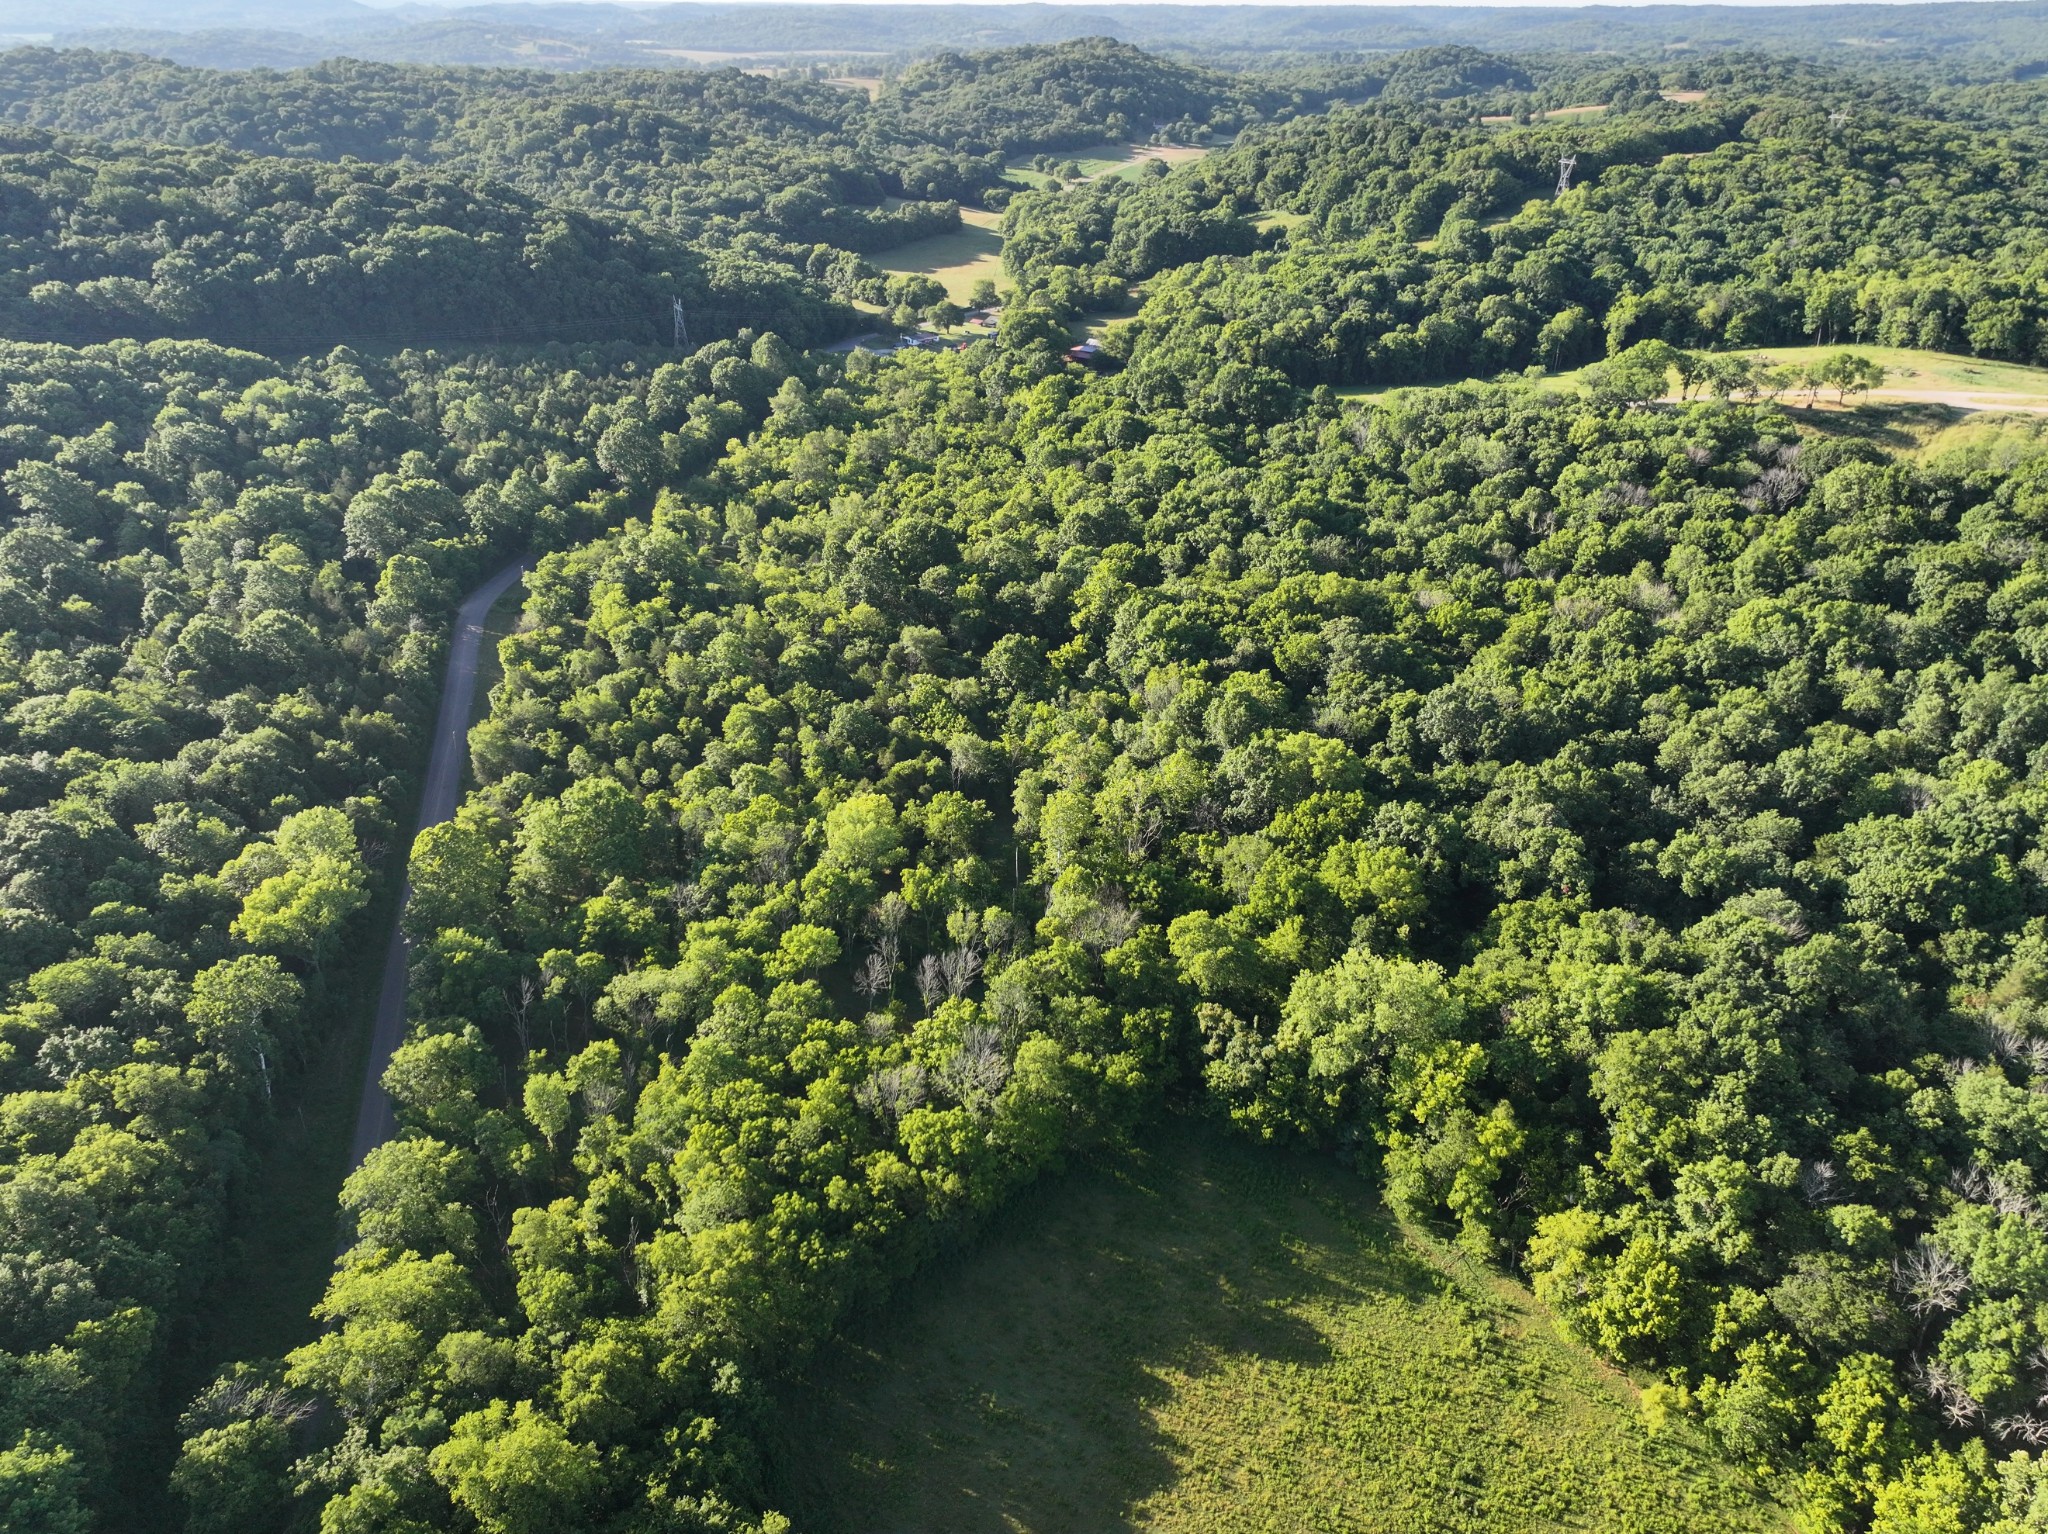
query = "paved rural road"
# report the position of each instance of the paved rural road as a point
(375, 1121)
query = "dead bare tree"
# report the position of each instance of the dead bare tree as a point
(931, 980)
(2010, 1199)
(960, 968)
(1817, 1182)
(1939, 1384)
(1971, 1183)
(1108, 923)
(875, 976)
(2023, 1427)
(892, 1092)
(975, 1072)
(1931, 1280)
(2007, 1045)
(519, 1005)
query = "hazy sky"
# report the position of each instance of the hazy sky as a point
(1404, 4)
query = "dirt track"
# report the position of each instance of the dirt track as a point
(1963, 399)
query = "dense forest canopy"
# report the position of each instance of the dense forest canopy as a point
(222, 582)
(1611, 824)
(1614, 821)
(1085, 92)
(1421, 245)
(519, 207)
(672, 145)
(103, 243)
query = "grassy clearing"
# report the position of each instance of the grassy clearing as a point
(1096, 324)
(1133, 162)
(1105, 160)
(1207, 1338)
(958, 260)
(1996, 442)
(1960, 439)
(1586, 109)
(1913, 377)
(1936, 377)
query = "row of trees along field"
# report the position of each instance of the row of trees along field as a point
(1418, 246)
(1611, 826)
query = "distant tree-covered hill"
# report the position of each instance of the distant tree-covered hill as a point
(1421, 245)
(101, 243)
(1077, 93)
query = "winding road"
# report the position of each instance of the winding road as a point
(375, 1120)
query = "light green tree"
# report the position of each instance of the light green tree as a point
(300, 886)
(515, 1471)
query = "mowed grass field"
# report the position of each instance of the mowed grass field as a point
(958, 260)
(1935, 377)
(1936, 385)
(1209, 1337)
(1911, 377)
(975, 250)
(1106, 160)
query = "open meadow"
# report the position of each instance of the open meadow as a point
(1207, 1337)
(958, 260)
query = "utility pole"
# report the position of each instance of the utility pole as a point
(682, 328)
(1565, 167)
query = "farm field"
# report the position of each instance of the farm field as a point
(958, 260)
(1918, 378)
(1211, 1337)
(1937, 378)
(1911, 377)
(961, 259)
(1106, 160)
